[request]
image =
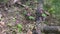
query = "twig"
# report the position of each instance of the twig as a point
(25, 6)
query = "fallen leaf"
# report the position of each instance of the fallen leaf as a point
(47, 13)
(15, 1)
(29, 32)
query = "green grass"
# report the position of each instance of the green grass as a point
(55, 4)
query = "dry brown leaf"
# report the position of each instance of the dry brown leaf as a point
(29, 32)
(47, 13)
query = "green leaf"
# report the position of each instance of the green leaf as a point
(19, 26)
(31, 17)
(44, 15)
(53, 11)
(19, 30)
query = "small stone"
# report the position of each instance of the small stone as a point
(2, 23)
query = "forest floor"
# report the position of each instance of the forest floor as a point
(10, 17)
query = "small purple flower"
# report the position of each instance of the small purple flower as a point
(17, 21)
(41, 10)
(28, 14)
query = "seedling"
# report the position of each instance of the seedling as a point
(19, 26)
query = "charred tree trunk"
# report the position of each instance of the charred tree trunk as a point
(39, 7)
(46, 29)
